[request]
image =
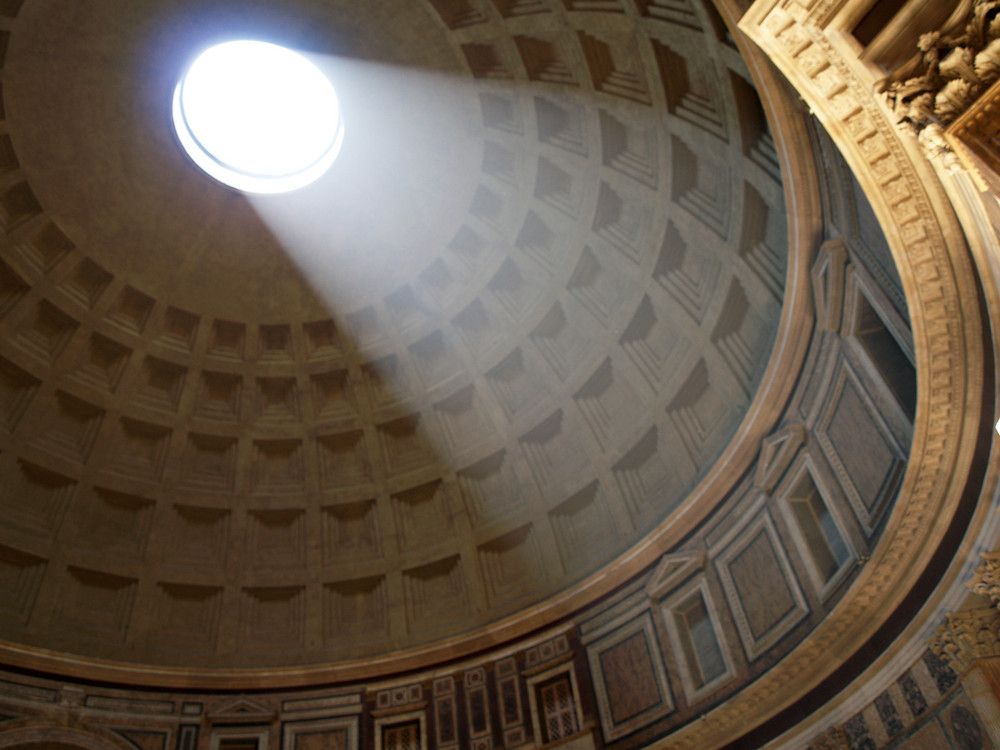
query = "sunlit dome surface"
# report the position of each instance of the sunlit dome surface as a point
(258, 117)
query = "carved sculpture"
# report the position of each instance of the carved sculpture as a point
(966, 636)
(953, 67)
(986, 579)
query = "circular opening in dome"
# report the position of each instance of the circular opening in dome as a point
(258, 117)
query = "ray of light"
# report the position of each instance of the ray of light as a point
(398, 191)
(408, 182)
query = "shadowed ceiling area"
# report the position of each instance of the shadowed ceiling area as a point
(495, 347)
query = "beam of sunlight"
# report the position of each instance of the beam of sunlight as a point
(409, 183)
(389, 206)
(399, 190)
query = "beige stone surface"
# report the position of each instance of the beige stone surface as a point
(233, 456)
(495, 347)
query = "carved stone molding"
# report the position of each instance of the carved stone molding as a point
(986, 579)
(967, 636)
(931, 254)
(828, 283)
(73, 733)
(242, 710)
(776, 454)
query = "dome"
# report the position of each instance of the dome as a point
(592, 363)
(494, 347)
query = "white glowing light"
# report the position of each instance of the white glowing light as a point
(258, 117)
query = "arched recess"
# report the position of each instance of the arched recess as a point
(36, 734)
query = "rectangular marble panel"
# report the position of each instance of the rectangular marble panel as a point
(630, 680)
(340, 733)
(862, 452)
(760, 585)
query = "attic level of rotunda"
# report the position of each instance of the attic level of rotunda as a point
(627, 380)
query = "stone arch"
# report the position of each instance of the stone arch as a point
(38, 734)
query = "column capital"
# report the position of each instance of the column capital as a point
(986, 579)
(966, 636)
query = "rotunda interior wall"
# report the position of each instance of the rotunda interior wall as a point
(209, 488)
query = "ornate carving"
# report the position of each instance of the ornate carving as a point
(952, 68)
(966, 636)
(973, 139)
(794, 38)
(834, 738)
(986, 579)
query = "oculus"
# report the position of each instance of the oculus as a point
(258, 117)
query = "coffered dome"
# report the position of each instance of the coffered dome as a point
(611, 390)
(500, 342)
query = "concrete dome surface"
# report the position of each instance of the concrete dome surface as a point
(624, 383)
